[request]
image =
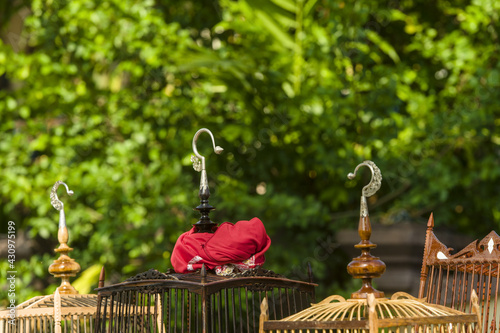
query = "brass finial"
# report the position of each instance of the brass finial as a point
(204, 224)
(366, 267)
(64, 267)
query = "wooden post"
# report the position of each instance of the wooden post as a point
(57, 312)
(476, 310)
(264, 314)
(424, 271)
(102, 277)
(372, 313)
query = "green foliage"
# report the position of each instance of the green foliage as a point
(107, 95)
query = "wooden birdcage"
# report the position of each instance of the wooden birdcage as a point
(401, 313)
(450, 278)
(52, 313)
(64, 311)
(368, 310)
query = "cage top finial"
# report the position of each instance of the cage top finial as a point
(64, 267)
(366, 266)
(204, 224)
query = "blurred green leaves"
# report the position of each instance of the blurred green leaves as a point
(108, 95)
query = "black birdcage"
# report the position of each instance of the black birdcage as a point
(198, 302)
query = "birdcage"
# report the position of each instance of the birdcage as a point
(51, 313)
(65, 310)
(201, 300)
(450, 278)
(368, 310)
(198, 302)
(401, 313)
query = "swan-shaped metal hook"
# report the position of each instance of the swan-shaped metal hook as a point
(198, 160)
(372, 187)
(57, 204)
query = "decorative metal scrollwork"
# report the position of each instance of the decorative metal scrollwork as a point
(57, 204)
(257, 272)
(151, 274)
(372, 187)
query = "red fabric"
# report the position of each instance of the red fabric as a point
(229, 244)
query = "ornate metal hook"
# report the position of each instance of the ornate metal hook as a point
(198, 160)
(372, 187)
(204, 224)
(57, 204)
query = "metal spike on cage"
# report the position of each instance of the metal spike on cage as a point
(204, 224)
(64, 311)
(368, 310)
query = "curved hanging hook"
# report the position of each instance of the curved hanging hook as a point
(372, 187)
(376, 181)
(197, 165)
(54, 199)
(57, 204)
(204, 224)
